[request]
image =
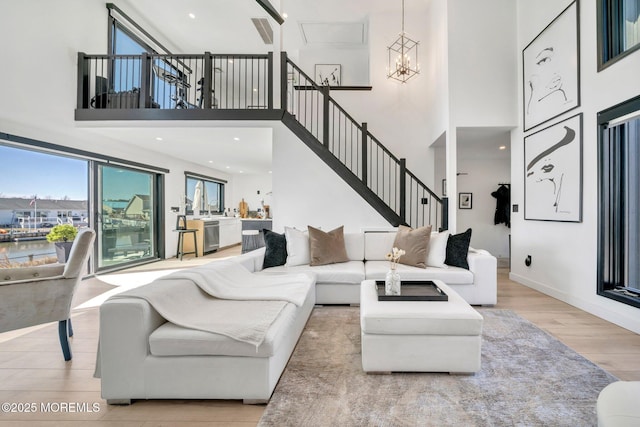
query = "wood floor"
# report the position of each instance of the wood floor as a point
(34, 376)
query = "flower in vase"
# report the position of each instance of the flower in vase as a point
(394, 256)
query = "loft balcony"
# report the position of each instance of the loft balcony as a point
(175, 87)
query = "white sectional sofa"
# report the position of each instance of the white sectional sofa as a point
(142, 355)
(340, 283)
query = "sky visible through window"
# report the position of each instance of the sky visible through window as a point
(28, 173)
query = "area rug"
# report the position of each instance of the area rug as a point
(527, 378)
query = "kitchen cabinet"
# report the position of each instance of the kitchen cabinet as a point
(230, 231)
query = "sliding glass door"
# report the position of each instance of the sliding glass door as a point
(127, 214)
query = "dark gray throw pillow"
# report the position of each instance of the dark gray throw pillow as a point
(276, 249)
(457, 249)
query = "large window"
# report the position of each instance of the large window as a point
(204, 195)
(618, 29)
(38, 191)
(619, 203)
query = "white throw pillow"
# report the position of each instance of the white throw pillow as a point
(297, 247)
(437, 249)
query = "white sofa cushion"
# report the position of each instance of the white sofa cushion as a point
(354, 243)
(377, 270)
(378, 244)
(438, 249)
(345, 272)
(173, 340)
(297, 247)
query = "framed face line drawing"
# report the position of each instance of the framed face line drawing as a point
(550, 68)
(553, 172)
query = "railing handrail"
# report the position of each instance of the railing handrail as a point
(419, 181)
(298, 69)
(383, 147)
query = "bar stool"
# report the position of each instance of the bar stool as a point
(250, 240)
(181, 229)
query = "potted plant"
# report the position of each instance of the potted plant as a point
(62, 235)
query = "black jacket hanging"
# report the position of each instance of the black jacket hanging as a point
(503, 204)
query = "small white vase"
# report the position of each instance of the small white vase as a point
(392, 283)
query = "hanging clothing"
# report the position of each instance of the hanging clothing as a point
(503, 205)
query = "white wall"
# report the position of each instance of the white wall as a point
(246, 186)
(354, 63)
(307, 192)
(482, 81)
(482, 62)
(565, 254)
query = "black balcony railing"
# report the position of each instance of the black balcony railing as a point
(204, 81)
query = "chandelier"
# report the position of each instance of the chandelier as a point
(403, 56)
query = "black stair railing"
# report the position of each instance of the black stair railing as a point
(367, 159)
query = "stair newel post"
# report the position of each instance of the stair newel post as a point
(325, 116)
(284, 69)
(83, 81)
(365, 154)
(206, 89)
(403, 189)
(445, 214)
(270, 80)
(145, 81)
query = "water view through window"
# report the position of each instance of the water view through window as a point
(37, 192)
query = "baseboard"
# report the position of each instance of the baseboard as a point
(610, 314)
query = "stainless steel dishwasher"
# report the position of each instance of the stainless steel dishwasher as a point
(211, 237)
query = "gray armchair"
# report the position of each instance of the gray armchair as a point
(41, 294)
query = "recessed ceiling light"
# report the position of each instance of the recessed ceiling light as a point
(255, 89)
(241, 172)
(210, 161)
(228, 167)
(270, 172)
(285, 15)
(231, 61)
(192, 16)
(158, 138)
(503, 147)
(236, 139)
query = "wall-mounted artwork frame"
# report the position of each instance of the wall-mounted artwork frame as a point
(550, 70)
(328, 74)
(553, 172)
(465, 200)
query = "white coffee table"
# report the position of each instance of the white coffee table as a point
(419, 336)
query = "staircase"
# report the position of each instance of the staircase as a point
(240, 86)
(355, 154)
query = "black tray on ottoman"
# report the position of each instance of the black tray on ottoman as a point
(413, 290)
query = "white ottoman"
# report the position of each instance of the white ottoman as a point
(618, 405)
(419, 336)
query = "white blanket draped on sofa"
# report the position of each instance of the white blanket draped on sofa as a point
(223, 298)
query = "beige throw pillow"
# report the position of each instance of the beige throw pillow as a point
(327, 248)
(415, 244)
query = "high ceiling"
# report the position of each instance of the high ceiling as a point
(225, 26)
